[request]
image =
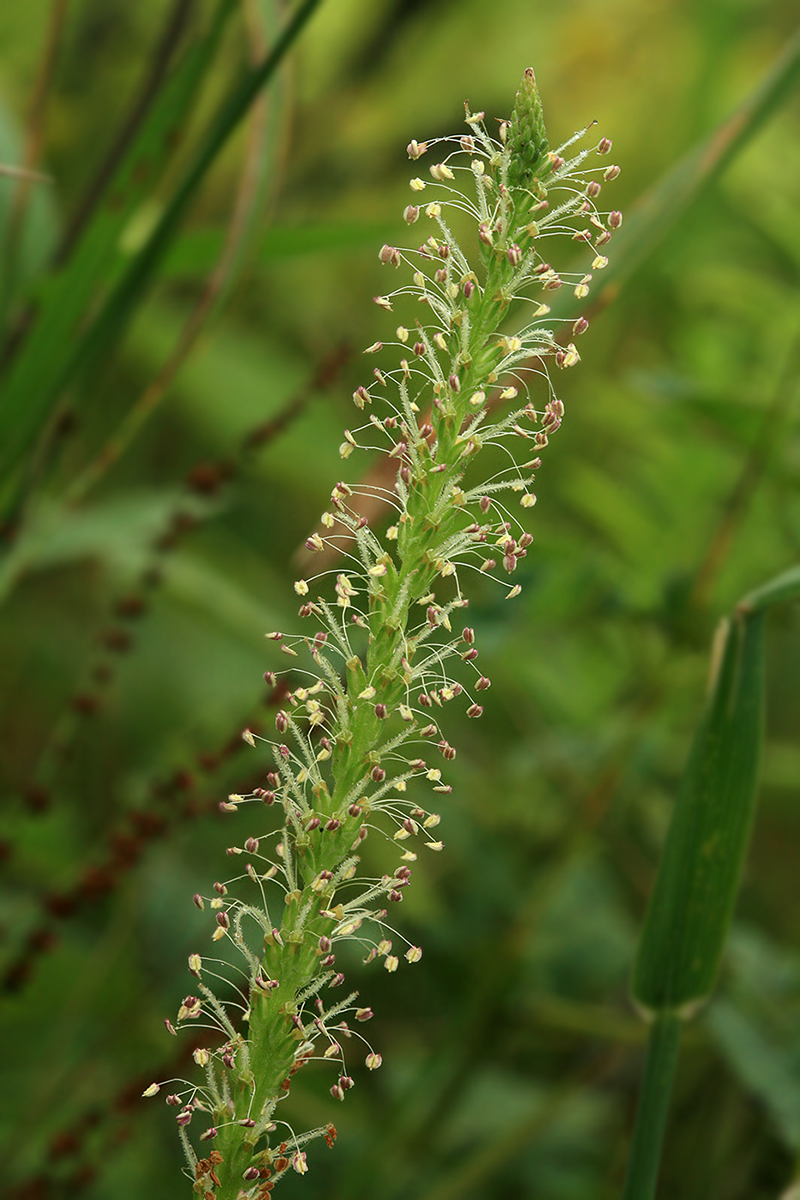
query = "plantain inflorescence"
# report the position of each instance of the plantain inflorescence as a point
(363, 692)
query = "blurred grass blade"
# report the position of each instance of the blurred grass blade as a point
(34, 230)
(112, 320)
(97, 342)
(695, 892)
(257, 187)
(783, 587)
(46, 361)
(196, 251)
(657, 212)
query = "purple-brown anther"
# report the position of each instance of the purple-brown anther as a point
(485, 234)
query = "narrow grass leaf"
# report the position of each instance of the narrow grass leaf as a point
(692, 903)
(56, 344)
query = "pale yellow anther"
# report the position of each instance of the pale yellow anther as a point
(417, 185)
(301, 587)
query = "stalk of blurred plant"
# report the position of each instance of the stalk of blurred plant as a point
(363, 693)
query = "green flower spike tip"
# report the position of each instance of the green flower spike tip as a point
(527, 139)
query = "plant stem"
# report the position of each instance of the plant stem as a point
(651, 1116)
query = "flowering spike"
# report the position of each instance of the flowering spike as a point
(341, 762)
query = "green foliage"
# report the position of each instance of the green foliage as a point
(162, 462)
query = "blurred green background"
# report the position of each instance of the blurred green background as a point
(148, 545)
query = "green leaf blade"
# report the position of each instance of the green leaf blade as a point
(695, 892)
